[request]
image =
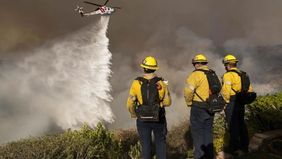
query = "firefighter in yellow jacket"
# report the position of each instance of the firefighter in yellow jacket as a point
(146, 92)
(196, 93)
(235, 110)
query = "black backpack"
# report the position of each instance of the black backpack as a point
(244, 96)
(215, 101)
(150, 110)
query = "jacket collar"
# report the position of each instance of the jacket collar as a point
(204, 67)
(234, 68)
(149, 75)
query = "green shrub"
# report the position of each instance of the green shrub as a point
(179, 140)
(265, 113)
(262, 115)
(127, 139)
(84, 143)
(135, 151)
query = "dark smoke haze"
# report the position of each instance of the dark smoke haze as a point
(173, 31)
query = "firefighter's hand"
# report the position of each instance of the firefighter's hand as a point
(224, 108)
(222, 113)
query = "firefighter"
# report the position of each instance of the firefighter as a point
(196, 90)
(235, 110)
(136, 99)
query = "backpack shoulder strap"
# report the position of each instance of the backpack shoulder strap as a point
(156, 79)
(202, 70)
(199, 96)
(210, 70)
(205, 71)
(236, 71)
(141, 79)
(144, 80)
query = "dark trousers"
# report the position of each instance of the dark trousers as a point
(239, 139)
(202, 134)
(159, 130)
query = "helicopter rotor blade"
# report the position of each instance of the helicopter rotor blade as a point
(92, 3)
(106, 2)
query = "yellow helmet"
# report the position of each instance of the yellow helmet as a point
(150, 63)
(199, 58)
(229, 59)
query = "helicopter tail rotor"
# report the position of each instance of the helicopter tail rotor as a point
(79, 10)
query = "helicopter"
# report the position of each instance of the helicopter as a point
(102, 9)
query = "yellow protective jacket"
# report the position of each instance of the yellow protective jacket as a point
(135, 94)
(231, 83)
(196, 82)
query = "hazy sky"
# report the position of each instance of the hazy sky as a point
(28, 22)
(173, 31)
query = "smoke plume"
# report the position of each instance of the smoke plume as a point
(176, 30)
(172, 31)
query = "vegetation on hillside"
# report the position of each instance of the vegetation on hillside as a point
(83, 143)
(262, 115)
(265, 113)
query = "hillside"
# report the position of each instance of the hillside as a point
(263, 115)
